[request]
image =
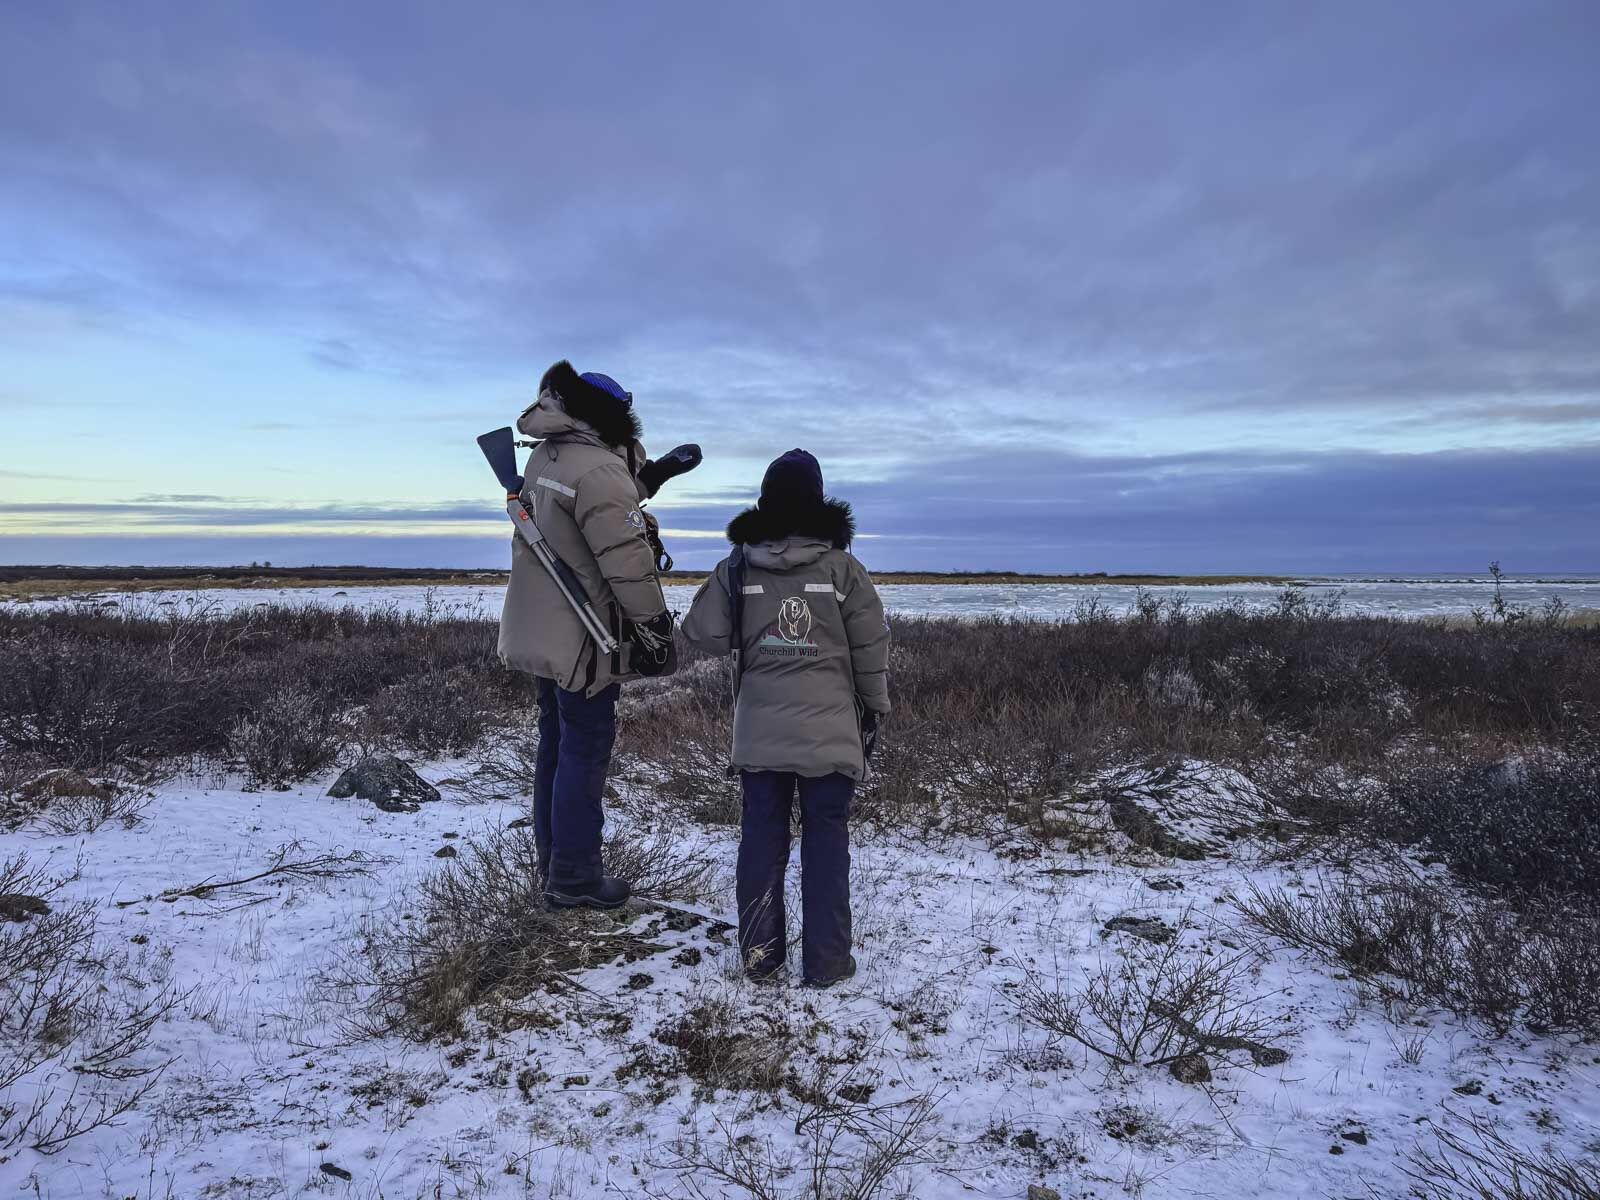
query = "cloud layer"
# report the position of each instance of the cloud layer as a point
(1153, 265)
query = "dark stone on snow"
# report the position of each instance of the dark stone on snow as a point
(1144, 830)
(1268, 1056)
(520, 823)
(16, 907)
(1036, 1192)
(1358, 1136)
(1190, 1068)
(445, 852)
(1165, 884)
(1151, 929)
(1028, 1139)
(336, 1172)
(1473, 1087)
(53, 785)
(387, 781)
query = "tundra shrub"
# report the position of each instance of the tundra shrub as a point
(438, 712)
(287, 738)
(1525, 824)
(85, 702)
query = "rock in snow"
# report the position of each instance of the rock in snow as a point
(387, 781)
(63, 782)
(1143, 829)
(17, 907)
(1151, 929)
(1190, 1068)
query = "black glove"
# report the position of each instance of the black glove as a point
(677, 461)
(869, 732)
(652, 645)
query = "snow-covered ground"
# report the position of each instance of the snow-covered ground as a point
(267, 1084)
(1401, 597)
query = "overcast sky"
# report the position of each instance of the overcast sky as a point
(1187, 287)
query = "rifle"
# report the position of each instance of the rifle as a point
(736, 615)
(500, 448)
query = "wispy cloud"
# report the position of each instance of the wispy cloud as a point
(200, 515)
(926, 243)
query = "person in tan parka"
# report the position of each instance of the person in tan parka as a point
(585, 480)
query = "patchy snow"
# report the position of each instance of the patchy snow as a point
(1415, 597)
(266, 1083)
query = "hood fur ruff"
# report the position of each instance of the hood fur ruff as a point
(830, 520)
(614, 422)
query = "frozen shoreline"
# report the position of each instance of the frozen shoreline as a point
(1400, 597)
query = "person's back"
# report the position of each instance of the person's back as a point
(812, 681)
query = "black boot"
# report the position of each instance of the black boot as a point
(607, 892)
(844, 973)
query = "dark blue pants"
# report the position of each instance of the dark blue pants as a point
(575, 737)
(824, 870)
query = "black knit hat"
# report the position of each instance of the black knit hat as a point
(792, 481)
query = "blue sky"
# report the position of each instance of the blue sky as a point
(1150, 287)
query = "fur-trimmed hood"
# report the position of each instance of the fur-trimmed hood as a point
(830, 521)
(578, 401)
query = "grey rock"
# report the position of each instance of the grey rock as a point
(445, 852)
(1143, 829)
(1165, 884)
(334, 1172)
(16, 907)
(387, 781)
(1190, 1068)
(53, 785)
(1039, 1192)
(1151, 929)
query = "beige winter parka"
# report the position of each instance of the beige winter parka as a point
(582, 481)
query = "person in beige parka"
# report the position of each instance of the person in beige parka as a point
(585, 480)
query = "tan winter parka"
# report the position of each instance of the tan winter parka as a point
(582, 481)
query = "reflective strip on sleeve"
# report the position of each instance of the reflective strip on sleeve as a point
(544, 481)
(826, 587)
(753, 589)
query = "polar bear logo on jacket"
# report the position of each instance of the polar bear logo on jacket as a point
(794, 619)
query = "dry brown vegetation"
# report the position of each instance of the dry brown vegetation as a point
(478, 932)
(1449, 738)
(66, 1000)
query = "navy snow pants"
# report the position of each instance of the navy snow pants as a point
(575, 738)
(824, 870)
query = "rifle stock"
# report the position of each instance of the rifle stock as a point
(499, 447)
